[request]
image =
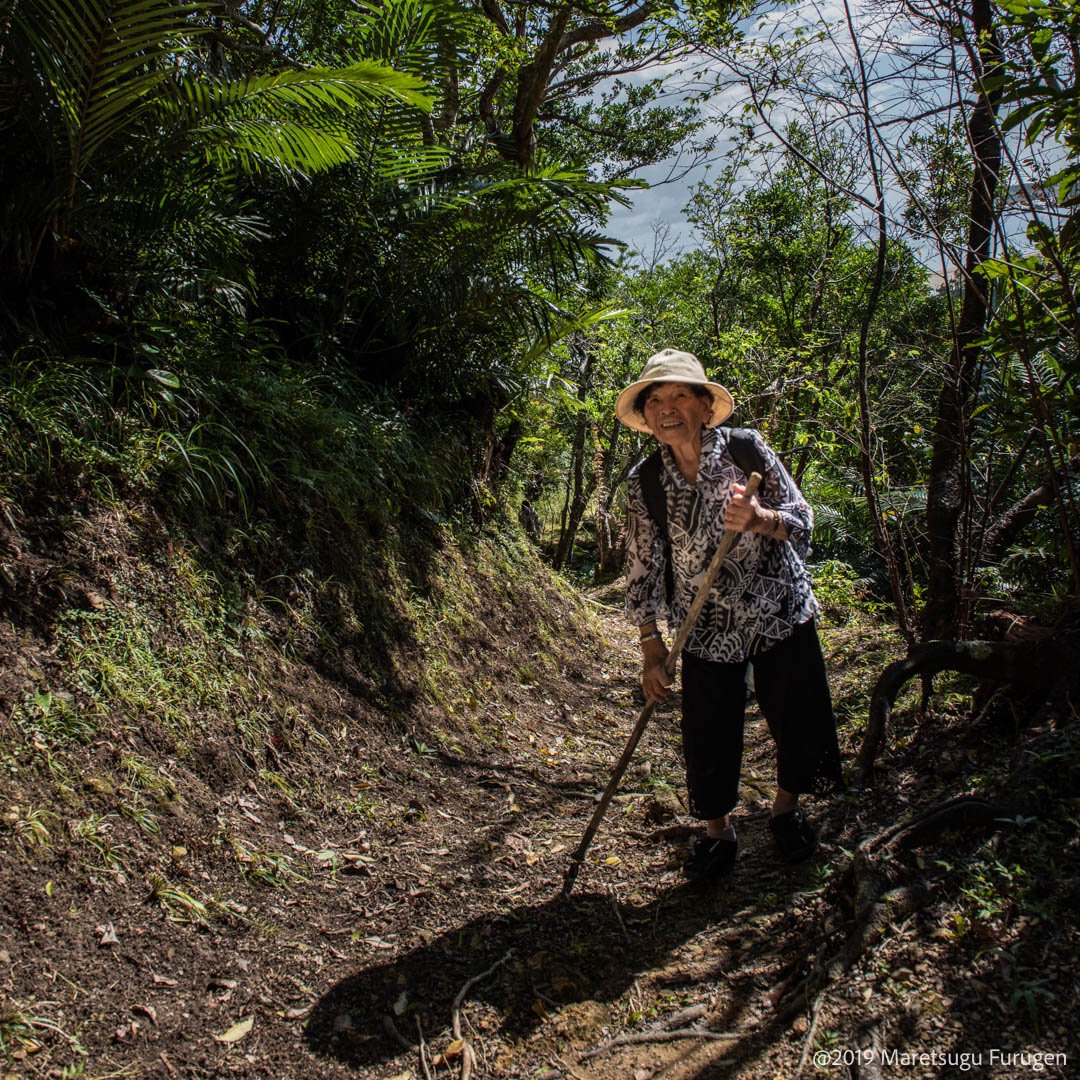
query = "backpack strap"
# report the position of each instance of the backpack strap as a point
(652, 491)
(744, 451)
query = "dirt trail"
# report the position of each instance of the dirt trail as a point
(632, 954)
(428, 922)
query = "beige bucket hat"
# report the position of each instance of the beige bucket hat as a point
(671, 365)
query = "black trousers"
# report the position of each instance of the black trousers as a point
(793, 691)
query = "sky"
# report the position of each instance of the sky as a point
(657, 206)
(664, 204)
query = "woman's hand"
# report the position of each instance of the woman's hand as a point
(748, 515)
(655, 681)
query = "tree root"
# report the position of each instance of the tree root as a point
(682, 1024)
(1029, 663)
(468, 1055)
(875, 906)
(637, 1037)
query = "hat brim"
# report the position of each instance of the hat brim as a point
(722, 403)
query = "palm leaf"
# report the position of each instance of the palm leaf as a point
(103, 61)
(422, 37)
(315, 90)
(294, 120)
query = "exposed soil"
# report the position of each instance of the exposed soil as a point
(380, 896)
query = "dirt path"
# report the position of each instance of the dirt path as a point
(633, 952)
(425, 921)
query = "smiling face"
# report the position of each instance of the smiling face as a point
(675, 413)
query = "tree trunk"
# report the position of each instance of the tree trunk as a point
(948, 496)
(1035, 664)
(1003, 532)
(577, 497)
(577, 493)
(867, 441)
(607, 561)
(499, 452)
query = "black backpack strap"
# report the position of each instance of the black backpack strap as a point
(652, 491)
(744, 451)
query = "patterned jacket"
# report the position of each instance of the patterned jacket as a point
(763, 589)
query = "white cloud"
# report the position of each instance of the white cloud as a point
(886, 44)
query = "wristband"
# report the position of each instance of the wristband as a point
(655, 635)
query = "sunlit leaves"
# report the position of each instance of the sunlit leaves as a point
(104, 60)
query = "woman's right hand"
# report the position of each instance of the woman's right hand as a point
(655, 681)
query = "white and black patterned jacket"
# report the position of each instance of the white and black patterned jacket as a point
(763, 589)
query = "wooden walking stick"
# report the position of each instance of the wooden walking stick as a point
(725, 545)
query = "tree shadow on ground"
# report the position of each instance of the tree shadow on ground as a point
(580, 948)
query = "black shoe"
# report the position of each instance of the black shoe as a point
(710, 858)
(794, 835)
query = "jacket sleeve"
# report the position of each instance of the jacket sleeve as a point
(645, 599)
(779, 492)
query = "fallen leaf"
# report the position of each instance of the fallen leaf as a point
(148, 1011)
(237, 1031)
(612, 860)
(108, 935)
(378, 943)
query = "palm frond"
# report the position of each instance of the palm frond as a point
(577, 322)
(319, 91)
(103, 62)
(421, 37)
(297, 121)
(254, 145)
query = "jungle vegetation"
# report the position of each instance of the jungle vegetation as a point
(322, 277)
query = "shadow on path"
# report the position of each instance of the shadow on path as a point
(584, 947)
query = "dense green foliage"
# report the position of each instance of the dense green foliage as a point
(865, 336)
(299, 271)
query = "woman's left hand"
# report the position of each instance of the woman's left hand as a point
(742, 514)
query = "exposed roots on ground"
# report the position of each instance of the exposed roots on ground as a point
(468, 1055)
(684, 1024)
(864, 889)
(1042, 663)
(638, 1037)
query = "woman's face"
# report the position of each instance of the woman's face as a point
(675, 414)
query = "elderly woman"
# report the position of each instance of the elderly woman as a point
(760, 609)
